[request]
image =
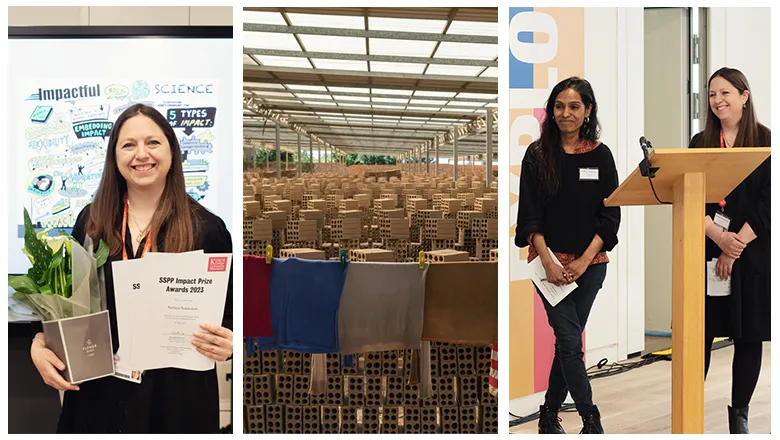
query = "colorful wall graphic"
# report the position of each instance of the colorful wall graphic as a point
(546, 46)
(63, 142)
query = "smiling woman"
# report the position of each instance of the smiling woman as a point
(140, 206)
(738, 241)
(566, 175)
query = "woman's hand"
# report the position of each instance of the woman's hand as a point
(47, 364)
(731, 244)
(723, 266)
(214, 342)
(577, 267)
(555, 274)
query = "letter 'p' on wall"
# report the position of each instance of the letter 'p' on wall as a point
(546, 45)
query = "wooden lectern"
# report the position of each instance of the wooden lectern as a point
(688, 178)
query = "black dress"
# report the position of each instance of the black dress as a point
(746, 313)
(168, 400)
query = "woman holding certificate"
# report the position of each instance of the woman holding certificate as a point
(738, 242)
(142, 206)
(566, 174)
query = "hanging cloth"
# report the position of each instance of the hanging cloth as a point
(382, 307)
(461, 303)
(305, 296)
(257, 296)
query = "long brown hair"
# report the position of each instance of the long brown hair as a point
(174, 214)
(750, 130)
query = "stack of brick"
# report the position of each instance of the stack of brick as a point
(374, 396)
(324, 198)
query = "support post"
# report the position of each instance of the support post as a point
(688, 304)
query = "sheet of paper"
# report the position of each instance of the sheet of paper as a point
(128, 276)
(180, 291)
(552, 293)
(716, 286)
(157, 254)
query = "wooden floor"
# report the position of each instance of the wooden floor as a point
(639, 401)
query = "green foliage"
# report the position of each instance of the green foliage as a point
(369, 159)
(38, 250)
(101, 256)
(52, 266)
(257, 158)
(23, 284)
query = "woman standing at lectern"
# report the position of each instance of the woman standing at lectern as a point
(738, 237)
(566, 174)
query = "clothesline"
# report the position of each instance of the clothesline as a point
(313, 301)
(322, 307)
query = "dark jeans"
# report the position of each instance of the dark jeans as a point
(568, 320)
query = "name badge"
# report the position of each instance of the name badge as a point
(721, 220)
(589, 174)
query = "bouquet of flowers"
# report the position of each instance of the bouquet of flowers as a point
(63, 281)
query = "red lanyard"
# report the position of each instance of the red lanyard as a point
(722, 145)
(147, 245)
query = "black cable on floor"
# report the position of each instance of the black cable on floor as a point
(597, 371)
(566, 407)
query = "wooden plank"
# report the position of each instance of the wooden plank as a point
(726, 167)
(688, 304)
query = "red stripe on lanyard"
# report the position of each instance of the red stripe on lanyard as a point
(722, 145)
(147, 245)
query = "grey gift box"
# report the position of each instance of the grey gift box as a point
(83, 344)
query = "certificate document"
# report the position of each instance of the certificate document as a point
(172, 294)
(125, 300)
(716, 286)
(552, 293)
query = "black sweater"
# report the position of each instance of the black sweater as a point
(576, 213)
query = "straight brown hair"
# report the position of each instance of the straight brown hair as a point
(750, 130)
(175, 210)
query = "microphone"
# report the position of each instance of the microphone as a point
(644, 166)
(644, 144)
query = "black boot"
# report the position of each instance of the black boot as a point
(738, 420)
(549, 422)
(591, 422)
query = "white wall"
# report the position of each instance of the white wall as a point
(120, 16)
(741, 38)
(614, 64)
(666, 125)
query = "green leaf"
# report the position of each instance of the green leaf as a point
(101, 256)
(39, 252)
(46, 288)
(53, 273)
(29, 257)
(56, 261)
(22, 284)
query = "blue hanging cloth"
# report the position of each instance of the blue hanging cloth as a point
(305, 297)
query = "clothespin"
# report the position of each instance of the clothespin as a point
(421, 260)
(269, 254)
(343, 256)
